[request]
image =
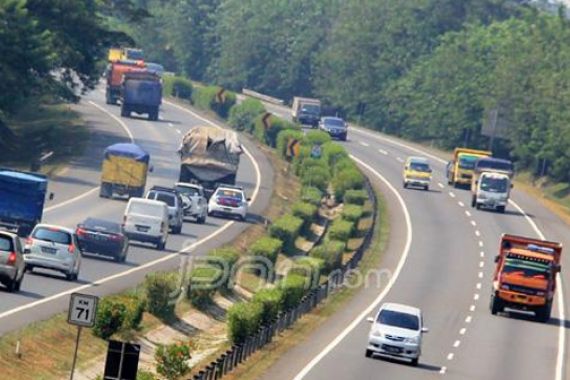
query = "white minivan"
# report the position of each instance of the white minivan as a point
(146, 220)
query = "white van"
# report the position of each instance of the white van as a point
(146, 220)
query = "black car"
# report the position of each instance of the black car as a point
(335, 127)
(102, 237)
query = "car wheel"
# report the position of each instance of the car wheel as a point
(478, 206)
(496, 305)
(501, 209)
(426, 187)
(28, 268)
(473, 202)
(242, 218)
(201, 219)
(161, 245)
(415, 361)
(177, 230)
(70, 276)
(405, 185)
(368, 353)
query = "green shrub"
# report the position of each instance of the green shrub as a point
(267, 247)
(316, 137)
(333, 153)
(271, 301)
(287, 229)
(310, 268)
(160, 288)
(206, 98)
(243, 115)
(293, 287)
(347, 179)
(356, 197)
(203, 283)
(311, 195)
(145, 375)
(310, 163)
(172, 360)
(341, 230)
(244, 319)
(135, 307)
(344, 163)
(225, 259)
(111, 314)
(307, 212)
(330, 251)
(352, 213)
(316, 176)
(277, 125)
(177, 86)
(283, 138)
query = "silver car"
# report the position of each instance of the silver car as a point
(11, 261)
(55, 248)
(174, 202)
(194, 201)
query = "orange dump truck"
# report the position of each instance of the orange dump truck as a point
(115, 73)
(525, 276)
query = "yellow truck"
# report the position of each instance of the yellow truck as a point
(124, 171)
(461, 167)
(115, 54)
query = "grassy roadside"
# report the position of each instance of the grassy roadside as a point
(261, 361)
(39, 127)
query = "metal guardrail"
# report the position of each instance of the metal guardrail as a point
(239, 353)
(264, 97)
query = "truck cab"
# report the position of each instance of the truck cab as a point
(492, 190)
(525, 275)
(306, 111)
(461, 167)
(417, 173)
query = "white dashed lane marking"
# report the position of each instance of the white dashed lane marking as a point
(364, 143)
(451, 194)
(382, 151)
(472, 308)
(400, 159)
(456, 343)
(474, 223)
(461, 204)
(462, 331)
(475, 296)
(450, 356)
(468, 319)
(468, 214)
(480, 243)
(480, 274)
(440, 185)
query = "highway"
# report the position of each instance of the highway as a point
(76, 192)
(441, 256)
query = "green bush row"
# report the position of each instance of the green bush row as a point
(178, 87)
(267, 247)
(310, 268)
(242, 116)
(312, 195)
(352, 213)
(118, 313)
(347, 179)
(276, 125)
(341, 230)
(206, 98)
(307, 212)
(283, 139)
(357, 197)
(287, 228)
(161, 288)
(330, 252)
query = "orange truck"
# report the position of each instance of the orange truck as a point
(525, 275)
(115, 73)
(461, 168)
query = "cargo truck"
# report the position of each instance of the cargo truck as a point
(141, 93)
(124, 171)
(460, 168)
(306, 111)
(209, 156)
(492, 183)
(115, 54)
(115, 72)
(22, 199)
(525, 275)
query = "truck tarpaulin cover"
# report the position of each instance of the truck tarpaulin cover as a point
(21, 195)
(210, 153)
(142, 88)
(127, 150)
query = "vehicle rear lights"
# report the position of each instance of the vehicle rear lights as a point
(12, 258)
(71, 248)
(80, 232)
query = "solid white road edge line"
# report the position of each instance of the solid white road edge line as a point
(384, 292)
(150, 263)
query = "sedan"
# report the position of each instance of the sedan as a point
(335, 127)
(102, 237)
(396, 332)
(11, 261)
(229, 200)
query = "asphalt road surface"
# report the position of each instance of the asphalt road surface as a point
(440, 255)
(45, 293)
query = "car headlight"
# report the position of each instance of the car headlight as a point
(377, 333)
(412, 340)
(482, 196)
(505, 287)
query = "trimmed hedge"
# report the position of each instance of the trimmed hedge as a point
(344, 163)
(352, 213)
(347, 179)
(111, 314)
(333, 153)
(267, 247)
(270, 135)
(242, 116)
(316, 137)
(312, 195)
(205, 98)
(341, 230)
(283, 138)
(271, 301)
(202, 285)
(224, 259)
(307, 212)
(310, 163)
(177, 86)
(135, 307)
(316, 176)
(293, 287)
(244, 319)
(160, 288)
(356, 197)
(330, 252)
(310, 268)
(287, 229)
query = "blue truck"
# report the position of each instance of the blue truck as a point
(141, 92)
(22, 198)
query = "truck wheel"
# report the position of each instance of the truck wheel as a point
(176, 230)
(105, 192)
(501, 209)
(426, 187)
(496, 305)
(473, 201)
(201, 219)
(543, 313)
(405, 185)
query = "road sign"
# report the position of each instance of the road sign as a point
(82, 310)
(266, 120)
(122, 361)
(316, 151)
(220, 97)
(293, 148)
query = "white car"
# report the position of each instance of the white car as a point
(228, 200)
(55, 248)
(146, 220)
(396, 332)
(194, 200)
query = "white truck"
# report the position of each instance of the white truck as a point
(306, 111)
(492, 190)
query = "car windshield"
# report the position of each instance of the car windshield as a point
(334, 123)
(399, 319)
(483, 165)
(228, 193)
(494, 185)
(311, 108)
(188, 191)
(102, 225)
(529, 269)
(166, 198)
(419, 167)
(6, 244)
(145, 209)
(52, 235)
(467, 162)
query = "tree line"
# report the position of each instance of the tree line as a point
(428, 70)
